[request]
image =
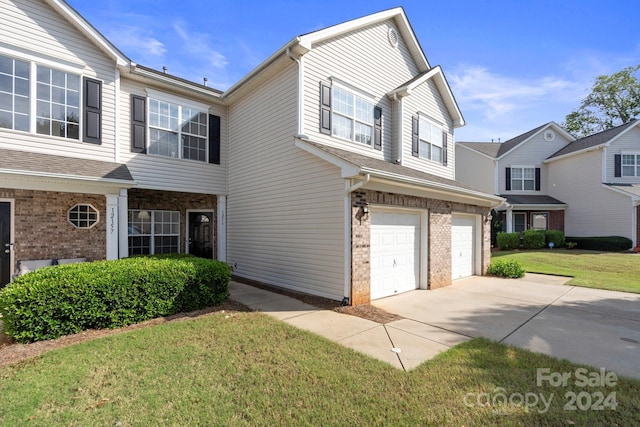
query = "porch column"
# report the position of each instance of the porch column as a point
(123, 214)
(222, 228)
(509, 220)
(112, 226)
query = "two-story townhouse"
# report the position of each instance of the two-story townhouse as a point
(80, 127)
(599, 179)
(341, 178)
(516, 170)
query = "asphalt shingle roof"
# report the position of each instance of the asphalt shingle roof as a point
(499, 149)
(531, 199)
(593, 140)
(44, 163)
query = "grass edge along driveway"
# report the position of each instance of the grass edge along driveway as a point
(614, 271)
(250, 369)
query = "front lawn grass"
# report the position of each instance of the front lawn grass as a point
(616, 271)
(249, 369)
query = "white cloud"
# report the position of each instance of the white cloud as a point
(137, 41)
(197, 44)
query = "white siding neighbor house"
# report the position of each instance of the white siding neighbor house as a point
(329, 169)
(550, 180)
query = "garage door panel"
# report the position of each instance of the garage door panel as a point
(462, 246)
(394, 253)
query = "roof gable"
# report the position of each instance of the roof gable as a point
(437, 76)
(82, 25)
(601, 138)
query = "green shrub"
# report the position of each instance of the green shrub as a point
(606, 243)
(506, 268)
(508, 241)
(533, 239)
(555, 236)
(66, 299)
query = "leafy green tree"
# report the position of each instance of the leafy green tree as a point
(614, 100)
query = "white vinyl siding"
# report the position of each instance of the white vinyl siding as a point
(166, 173)
(345, 58)
(426, 102)
(286, 207)
(593, 209)
(625, 144)
(36, 33)
(475, 170)
(530, 153)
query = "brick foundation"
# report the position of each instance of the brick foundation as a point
(439, 239)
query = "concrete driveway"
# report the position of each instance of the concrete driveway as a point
(539, 313)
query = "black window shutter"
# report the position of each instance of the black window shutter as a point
(138, 124)
(415, 135)
(444, 148)
(214, 139)
(92, 109)
(537, 184)
(617, 161)
(377, 128)
(507, 179)
(325, 108)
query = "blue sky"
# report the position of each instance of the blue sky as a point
(512, 65)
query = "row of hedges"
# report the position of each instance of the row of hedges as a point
(606, 243)
(66, 299)
(532, 239)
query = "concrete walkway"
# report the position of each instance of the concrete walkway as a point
(539, 313)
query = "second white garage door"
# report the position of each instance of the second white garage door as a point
(395, 253)
(462, 246)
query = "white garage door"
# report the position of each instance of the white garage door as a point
(395, 253)
(462, 246)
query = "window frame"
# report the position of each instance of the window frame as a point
(180, 103)
(541, 213)
(425, 120)
(34, 63)
(522, 178)
(635, 165)
(91, 216)
(353, 118)
(151, 222)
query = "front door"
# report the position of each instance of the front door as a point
(519, 223)
(201, 234)
(5, 243)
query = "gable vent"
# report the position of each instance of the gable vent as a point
(392, 34)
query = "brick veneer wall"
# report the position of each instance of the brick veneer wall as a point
(43, 232)
(439, 239)
(173, 201)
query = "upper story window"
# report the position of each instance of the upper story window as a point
(349, 115)
(64, 106)
(14, 94)
(57, 103)
(522, 178)
(177, 131)
(429, 140)
(631, 165)
(174, 129)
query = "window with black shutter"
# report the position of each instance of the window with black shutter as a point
(92, 111)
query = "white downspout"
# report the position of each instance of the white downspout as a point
(116, 127)
(299, 110)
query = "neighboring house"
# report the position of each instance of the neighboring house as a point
(599, 179)
(329, 169)
(100, 158)
(516, 170)
(584, 187)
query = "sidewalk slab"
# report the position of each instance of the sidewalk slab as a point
(332, 325)
(284, 308)
(375, 343)
(414, 349)
(438, 335)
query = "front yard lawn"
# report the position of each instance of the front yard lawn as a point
(249, 369)
(616, 271)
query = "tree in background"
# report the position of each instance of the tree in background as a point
(614, 100)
